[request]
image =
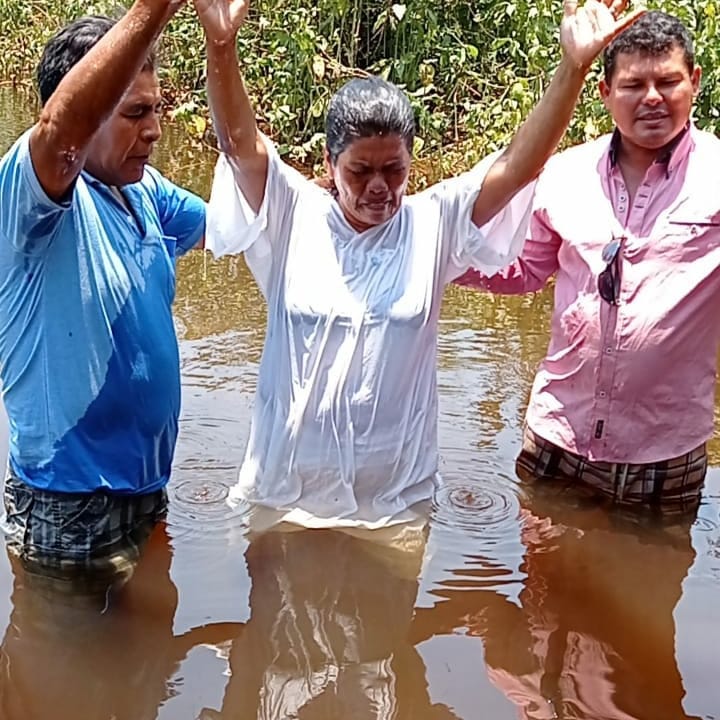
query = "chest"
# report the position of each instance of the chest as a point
(113, 250)
(670, 227)
(388, 273)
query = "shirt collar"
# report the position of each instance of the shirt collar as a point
(92, 180)
(671, 157)
(132, 201)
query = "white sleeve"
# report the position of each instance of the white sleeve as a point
(497, 243)
(232, 226)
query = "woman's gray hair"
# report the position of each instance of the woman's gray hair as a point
(366, 107)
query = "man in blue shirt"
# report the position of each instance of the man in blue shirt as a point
(89, 359)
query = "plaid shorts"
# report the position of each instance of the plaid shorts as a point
(65, 534)
(673, 485)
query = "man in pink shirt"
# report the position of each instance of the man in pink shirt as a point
(629, 225)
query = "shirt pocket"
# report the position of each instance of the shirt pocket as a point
(171, 245)
(159, 261)
(688, 238)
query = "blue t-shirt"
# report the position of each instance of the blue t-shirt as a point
(89, 358)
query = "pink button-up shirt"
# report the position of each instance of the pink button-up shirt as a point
(632, 383)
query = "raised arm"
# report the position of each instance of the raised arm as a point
(232, 112)
(584, 32)
(89, 93)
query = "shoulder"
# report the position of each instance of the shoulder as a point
(17, 155)
(584, 155)
(166, 197)
(156, 184)
(705, 142)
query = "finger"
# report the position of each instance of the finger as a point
(617, 7)
(590, 15)
(626, 21)
(594, 15)
(570, 8)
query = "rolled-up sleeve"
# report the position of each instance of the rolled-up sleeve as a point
(539, 259)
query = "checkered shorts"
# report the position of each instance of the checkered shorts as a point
(62, 534)
(671, 485)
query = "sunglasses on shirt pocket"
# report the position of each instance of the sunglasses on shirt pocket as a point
(608, 281)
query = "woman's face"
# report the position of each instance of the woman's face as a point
(371, 176)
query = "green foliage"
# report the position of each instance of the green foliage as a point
(472, 68)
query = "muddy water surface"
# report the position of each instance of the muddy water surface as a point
(522, 605)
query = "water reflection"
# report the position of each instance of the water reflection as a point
(590, 633)
(72, 655)
(328, 635)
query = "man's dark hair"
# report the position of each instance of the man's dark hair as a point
(68, 46)
(365, 107)
(655, 33)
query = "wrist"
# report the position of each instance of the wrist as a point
(574, 68)
(222, 45)
(156, 10)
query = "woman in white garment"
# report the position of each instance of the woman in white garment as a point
(344, 429)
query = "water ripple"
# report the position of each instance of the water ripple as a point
(476, 510)
(706, 525)
(198, 509)
(201, 492)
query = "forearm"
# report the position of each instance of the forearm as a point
(517, 279)
(533, 144)
(232, 112)
(89, 92)
(539, 135)
(538, 262)
(234, 120)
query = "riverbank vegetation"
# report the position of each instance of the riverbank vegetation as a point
(473, 68)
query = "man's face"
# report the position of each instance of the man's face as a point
(121, 148)
(650, 97)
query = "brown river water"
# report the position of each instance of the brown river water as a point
(520, 605)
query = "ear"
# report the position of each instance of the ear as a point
(329, 169)
(695, 78)
(604, 90)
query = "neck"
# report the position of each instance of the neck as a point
(638, 159)
(635, 158)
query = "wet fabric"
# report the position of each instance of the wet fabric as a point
(89, 357)
(70, 652)
(674, 484)
(633, 382)
(90, 536)
(344, 428)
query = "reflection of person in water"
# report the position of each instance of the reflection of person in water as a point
(71, 656)
(327, 635)
(593, 634)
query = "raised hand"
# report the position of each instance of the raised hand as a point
(585, 30)
(221, 19)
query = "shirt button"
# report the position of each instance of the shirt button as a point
(608, 350)
(602, 394)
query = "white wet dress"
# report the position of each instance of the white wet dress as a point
(344, 426)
